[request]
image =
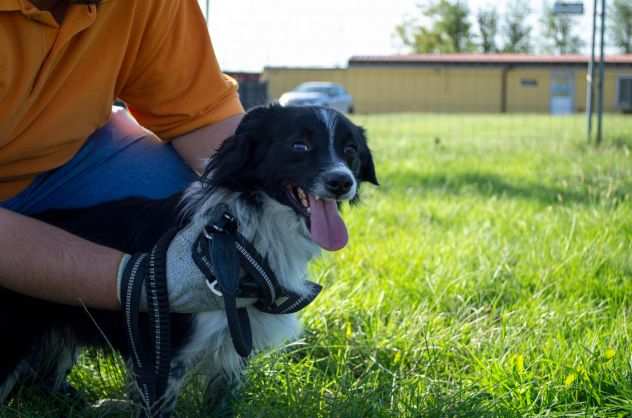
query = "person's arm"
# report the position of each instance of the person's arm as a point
(171, 91)
(46, 262)
(197, 146)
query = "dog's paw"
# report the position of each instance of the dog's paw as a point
(220, 395)
(107, 407)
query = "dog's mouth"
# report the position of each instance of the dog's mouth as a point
(322, 218)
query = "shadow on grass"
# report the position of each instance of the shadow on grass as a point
(618, 143)
(428, 405)
(491, 185)
(476, 405)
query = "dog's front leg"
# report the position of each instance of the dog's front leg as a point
(220, 391)
(166, 404)
(174, 386)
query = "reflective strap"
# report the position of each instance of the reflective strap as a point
(159, 318)
(151, 365)
(131, 288)
(219, 252)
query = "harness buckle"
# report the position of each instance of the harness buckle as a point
(229, 222)
(222, 221)
(213, 288)
(207, 234)
(229, 217)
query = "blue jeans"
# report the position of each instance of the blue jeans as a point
(119, 160)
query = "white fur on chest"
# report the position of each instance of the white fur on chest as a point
(282, 238)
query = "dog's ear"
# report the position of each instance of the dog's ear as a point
(233, 165)
(254, 121)
(367, 168)
(230, 162)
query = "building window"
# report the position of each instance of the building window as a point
(528, 82)
(624, 96)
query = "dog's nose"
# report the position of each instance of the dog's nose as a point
(338, 183)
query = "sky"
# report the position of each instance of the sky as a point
(250, 34)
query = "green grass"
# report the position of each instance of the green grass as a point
(489, 276)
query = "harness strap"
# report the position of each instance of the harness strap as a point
(225, 260)
(220, 252)
(273, 298)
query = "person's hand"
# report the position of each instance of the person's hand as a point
(188, 290)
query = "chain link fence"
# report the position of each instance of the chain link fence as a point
(476, 95)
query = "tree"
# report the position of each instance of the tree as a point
(487, 20)
(620, 28)
(449, 30)
(559, 33)
(515, 30)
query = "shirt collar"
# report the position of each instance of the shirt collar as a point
(86, 16)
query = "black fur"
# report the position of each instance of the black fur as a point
(131, 225)
(259, 157)
(262, 156)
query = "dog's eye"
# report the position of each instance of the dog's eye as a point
(300, 147)
(350, 150)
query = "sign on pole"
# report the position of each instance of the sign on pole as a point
(568, 8)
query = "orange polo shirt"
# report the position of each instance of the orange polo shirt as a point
(58, 82)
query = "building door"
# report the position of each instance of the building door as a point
(562, 92)
(624, 93)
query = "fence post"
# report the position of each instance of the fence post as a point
(602, 65)
(590, 90)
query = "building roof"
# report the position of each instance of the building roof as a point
(244, 75)
(484, 59)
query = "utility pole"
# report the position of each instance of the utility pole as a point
(208, 7)
(590, 90)
(602, 65)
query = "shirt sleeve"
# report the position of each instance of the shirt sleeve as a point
(176, 85)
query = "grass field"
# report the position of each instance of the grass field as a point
(489, 276)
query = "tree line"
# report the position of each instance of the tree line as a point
(449, 26)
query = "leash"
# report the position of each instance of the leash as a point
(151, 346)
(221, 253)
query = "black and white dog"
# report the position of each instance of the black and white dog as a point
(283, 175)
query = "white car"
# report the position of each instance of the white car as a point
(316, 93)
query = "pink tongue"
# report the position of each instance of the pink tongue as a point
(327, 228)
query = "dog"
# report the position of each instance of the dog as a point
(284, 177)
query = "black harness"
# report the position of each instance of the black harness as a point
(233, 269)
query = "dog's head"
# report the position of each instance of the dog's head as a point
(307, 158)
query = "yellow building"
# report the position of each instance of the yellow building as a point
(466, 82)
